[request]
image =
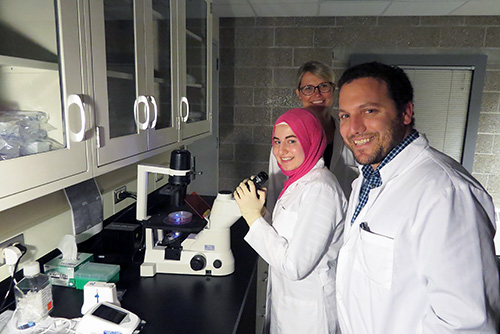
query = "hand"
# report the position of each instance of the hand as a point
(251, 206)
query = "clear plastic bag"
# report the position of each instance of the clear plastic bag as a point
(24, 133)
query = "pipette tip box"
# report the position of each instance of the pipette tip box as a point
(100, 272)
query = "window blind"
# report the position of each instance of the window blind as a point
(441, 97)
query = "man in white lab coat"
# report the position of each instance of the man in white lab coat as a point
(418, 253)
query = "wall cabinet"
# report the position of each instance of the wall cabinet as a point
(105, 83)
(42, 119)
(145, 96)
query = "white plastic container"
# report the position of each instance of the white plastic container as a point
(33, 295)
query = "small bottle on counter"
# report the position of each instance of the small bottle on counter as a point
(33, 295)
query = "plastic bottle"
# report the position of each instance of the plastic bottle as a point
(33, 295)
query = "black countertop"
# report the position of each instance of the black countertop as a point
(171, 303)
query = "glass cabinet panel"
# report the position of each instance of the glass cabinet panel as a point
(31, 107)
(122, 109)
(120, 66)
(162, 63)
(159, 72)
(196, 60)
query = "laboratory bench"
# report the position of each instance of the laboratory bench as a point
(173, 303)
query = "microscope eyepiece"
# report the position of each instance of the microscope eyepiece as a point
(260, 179)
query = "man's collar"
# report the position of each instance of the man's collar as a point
(395, 151)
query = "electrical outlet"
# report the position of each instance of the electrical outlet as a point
(117, 192)
(17, 239)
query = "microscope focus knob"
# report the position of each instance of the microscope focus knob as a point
(217, 264)
(198, 262)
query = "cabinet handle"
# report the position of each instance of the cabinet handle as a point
(155, 109)
(185, 101)
(80, 135)
(139, 100)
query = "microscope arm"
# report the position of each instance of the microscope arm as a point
(142, 185)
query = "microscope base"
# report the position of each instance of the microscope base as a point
(190, 263)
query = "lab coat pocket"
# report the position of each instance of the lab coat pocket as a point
(375, 255)
(297, 316)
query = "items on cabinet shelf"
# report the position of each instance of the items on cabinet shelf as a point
(190, 79)
(24, 133)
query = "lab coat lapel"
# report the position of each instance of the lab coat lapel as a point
(353, 202)
(399, 165)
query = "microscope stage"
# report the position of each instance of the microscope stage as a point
(160, 221)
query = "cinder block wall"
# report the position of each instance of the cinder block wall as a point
(260, 57)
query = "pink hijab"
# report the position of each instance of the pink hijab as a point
(311, 137)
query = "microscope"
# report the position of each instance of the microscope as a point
(187, 237)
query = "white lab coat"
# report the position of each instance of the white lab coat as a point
(427, 265)
(342, 164)
(301, 247)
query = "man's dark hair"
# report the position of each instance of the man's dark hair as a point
(396, 80)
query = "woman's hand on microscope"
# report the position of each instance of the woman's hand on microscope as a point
(250, 200)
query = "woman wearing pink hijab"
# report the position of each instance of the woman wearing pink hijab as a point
(301, 241)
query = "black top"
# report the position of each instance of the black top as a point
(327, 155)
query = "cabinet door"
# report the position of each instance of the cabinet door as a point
(121, 104)
(159, 77)
(42, 117)
(194, 61)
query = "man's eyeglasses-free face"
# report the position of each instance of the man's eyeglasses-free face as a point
(324, 87)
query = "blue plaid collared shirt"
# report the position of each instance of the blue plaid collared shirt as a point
(371, 177)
